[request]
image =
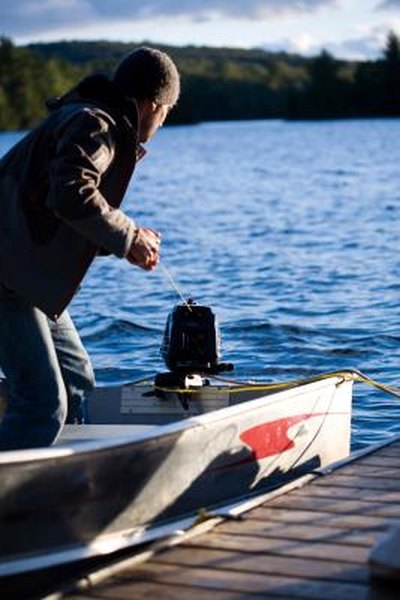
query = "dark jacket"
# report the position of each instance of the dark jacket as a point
(60, 189)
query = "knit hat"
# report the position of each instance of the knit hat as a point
(148, 73)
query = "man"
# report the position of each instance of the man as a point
(60, 192)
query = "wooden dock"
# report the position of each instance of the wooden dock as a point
(311, 542)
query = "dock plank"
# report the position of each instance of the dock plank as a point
(300, 533)
(332, 505)
(266, 563)
(252, 544)
(373, 471)
(373, 460)
(147, 590)
(323, 519)
(245, 585)
(358, 483)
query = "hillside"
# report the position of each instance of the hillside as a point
(217, 83)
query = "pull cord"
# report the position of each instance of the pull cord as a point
(175, 286)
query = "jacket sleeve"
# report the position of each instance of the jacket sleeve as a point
(83, 153)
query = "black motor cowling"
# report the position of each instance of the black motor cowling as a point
(191, 340)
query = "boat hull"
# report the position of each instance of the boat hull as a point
(86, 498)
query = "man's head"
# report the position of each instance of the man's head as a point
(152, 79)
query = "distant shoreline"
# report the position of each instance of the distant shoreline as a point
(218, 84)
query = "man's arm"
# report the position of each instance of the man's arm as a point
(84, 152)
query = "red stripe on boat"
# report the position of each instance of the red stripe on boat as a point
(269, 439)
(272, 438)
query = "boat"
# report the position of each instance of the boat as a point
(157, 455)
(151, 469)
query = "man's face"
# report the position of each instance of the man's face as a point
(151, 117)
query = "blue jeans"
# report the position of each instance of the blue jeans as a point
(47, 370)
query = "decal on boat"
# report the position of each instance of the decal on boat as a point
(272, 438)
(269, 439)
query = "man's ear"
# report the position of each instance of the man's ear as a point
(147, 106)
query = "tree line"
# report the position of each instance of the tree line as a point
(217, 83)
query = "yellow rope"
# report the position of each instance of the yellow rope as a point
(234, 388)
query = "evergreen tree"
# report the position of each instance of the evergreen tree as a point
(391, 75)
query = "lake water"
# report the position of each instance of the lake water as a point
(288, 230)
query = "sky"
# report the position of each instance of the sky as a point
(350, 29)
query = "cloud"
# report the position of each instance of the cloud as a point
(194, 9)
(303, 44)
(29, 17)
(387, 4)
(22, 17)
(367, 44)
(361, 48)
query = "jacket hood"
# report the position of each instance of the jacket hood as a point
(97, 89)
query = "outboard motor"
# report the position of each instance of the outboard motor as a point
(191, 345)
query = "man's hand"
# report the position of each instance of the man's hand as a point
(145, 249)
